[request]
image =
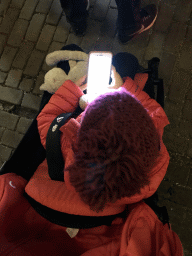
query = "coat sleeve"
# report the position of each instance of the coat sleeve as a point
(160, 120)
(144, 234)
(65, 100)
(154, 109)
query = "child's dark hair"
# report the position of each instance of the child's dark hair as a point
(116, 148)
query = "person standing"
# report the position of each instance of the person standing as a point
(132, 20)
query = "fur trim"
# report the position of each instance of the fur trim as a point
(53, 80)
(72, 63)
(83, 102)
(55, 77)
(57, 56)
(78, 71)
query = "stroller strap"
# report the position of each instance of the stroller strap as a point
(54, 156)
(71, 220)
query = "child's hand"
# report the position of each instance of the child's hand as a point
(117, 81)
(82, 83)
(83, 101)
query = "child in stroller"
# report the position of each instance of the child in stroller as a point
(114, 156)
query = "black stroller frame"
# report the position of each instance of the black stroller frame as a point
(154, 88)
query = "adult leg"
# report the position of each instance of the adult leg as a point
(30, 153)
(76, 12)
(74, 9)
(128, 13)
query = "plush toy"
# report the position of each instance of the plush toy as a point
(54, 78)
(78, 62)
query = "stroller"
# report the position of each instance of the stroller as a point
(39, 230)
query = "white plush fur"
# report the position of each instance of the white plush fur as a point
(54, 57)
(54, 78)
(78, 62)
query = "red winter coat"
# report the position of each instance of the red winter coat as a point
(66, 100)
(25, 232)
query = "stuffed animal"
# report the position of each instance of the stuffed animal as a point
(78, 62)
(54, 78)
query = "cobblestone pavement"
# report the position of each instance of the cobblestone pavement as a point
(29, 29)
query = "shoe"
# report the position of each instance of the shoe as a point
(79, 26)
(148, 16)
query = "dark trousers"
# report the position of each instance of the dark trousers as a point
(128, 11)
(30, 153)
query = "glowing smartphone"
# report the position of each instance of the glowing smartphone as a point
(99, 71)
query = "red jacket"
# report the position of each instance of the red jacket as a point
(25, 232)
(66, 100)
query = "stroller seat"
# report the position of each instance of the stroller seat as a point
(32, 224)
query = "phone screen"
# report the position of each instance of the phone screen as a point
(99, 71)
